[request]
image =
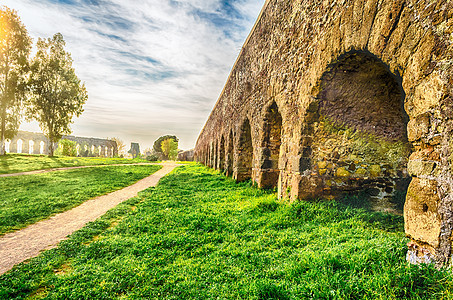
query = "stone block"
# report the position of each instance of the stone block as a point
(361, 172)
(322, 164)
(306, 187)
(427, 94)
(418, 127)
(420, 167)
(375, 170)
(421, 219)
(342, 172)
(267, 178)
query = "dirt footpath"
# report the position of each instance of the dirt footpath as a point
(21, 245)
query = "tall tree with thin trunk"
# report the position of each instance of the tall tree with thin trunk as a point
(57, 93)
(15, 45)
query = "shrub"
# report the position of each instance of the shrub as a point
(152, 157)
(67, 148)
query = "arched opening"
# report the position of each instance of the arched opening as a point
(210, 155)
(19, 145)
(41, 147)
(360, 143)
(244, 153)
(222, 154)
(31, 145)
(99, 151)
(229, 154)
(7, 144)
(216, 155)
(272, 141)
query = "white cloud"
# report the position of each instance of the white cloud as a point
(151, 67)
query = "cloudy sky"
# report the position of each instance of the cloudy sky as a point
(151, 67)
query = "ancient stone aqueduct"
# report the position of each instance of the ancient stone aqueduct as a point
(346, 96)
(37, 143)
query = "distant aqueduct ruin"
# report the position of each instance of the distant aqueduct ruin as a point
(346, 96)
(37, 143)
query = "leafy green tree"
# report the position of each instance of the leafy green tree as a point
(157, 146)
(67, 148)
(57, 93)
(170, 148)
(15, 45)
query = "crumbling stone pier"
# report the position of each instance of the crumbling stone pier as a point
(329, 98)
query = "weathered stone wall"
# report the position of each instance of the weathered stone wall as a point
(40, 144)
(334, 97)
(186, 155)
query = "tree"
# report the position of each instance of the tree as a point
(15, 45)
(67, 148)
(120, 146)
(158, 143)
(57, 93)
(170, 148)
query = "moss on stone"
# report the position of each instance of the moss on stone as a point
(362, 146)
(375, 170)
(361, 172)
(342, 172)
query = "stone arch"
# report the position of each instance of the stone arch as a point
(19, 145)
(229, 160)
(42, 148)
(205, 155)
(244, 153)
(222, 159)
(210, 155)
(355, 135)
(7, 145)
(31, 145)
(216, 155)
(270, 152)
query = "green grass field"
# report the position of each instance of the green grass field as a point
(29, 198)
(199, 235)
(14, 163)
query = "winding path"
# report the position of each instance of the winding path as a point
(26, 243)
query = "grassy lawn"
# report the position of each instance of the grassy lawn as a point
(30, 198)
(199, 235)
(14, 163)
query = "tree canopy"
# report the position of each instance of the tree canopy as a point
(57, 93)
(157, 146)
(15, 45)
(170, 148)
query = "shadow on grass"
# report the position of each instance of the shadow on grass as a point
(4, 162)
(382, 220)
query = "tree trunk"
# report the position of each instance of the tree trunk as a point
(51, 148)
(2, 139)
